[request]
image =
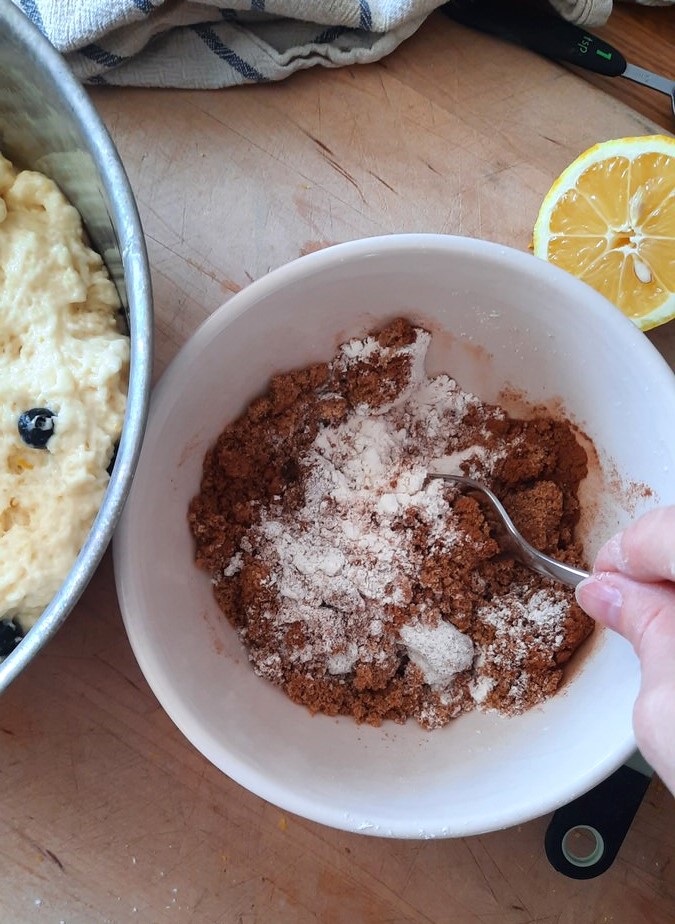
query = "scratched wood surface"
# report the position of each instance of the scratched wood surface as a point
(108, 815)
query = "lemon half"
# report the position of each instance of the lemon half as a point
(609, 219)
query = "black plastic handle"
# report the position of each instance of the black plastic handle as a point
(550, 35)
(584, 837)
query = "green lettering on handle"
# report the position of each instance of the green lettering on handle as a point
(604, 54)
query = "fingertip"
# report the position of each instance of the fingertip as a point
(611, 556)
(643, 551)
(643, 612)
(600, 599)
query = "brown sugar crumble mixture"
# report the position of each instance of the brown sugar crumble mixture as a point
(360, 586)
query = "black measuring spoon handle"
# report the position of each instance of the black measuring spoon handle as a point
(602, 816)
(550, 35)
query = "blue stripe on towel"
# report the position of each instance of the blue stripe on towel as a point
(101, 56)
(213, 43)
(145, 6)
(366, 17)
(32, 12)
(329, 35)
(258, 6)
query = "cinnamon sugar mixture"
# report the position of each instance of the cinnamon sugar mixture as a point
(360, 587)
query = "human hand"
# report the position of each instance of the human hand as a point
(632, 590)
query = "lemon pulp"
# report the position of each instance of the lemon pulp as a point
(610, 219)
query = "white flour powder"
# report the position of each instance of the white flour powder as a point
(347, 554)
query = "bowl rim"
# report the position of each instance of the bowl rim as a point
(133, 253)
(266, 785)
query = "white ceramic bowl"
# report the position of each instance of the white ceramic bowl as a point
(501, 317)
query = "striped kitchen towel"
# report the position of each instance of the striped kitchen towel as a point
(218, 43)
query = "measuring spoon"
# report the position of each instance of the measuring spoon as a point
(554, 38)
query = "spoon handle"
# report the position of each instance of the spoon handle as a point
(520, 547)
(546, 33)
(551, 567)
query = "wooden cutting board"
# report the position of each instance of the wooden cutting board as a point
(108, 815)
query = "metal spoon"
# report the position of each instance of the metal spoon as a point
(516, 544)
